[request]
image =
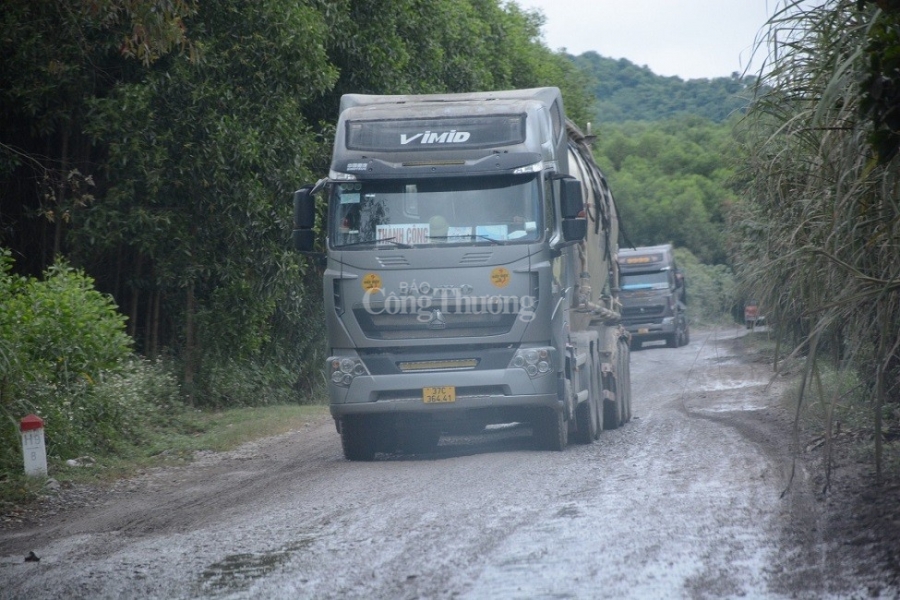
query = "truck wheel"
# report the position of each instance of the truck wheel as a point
(597, 400)
(586, 412)
(585, 422)
(421, 440)
(612, 408)
(551, 430)
(672, 340)
(357, 438)
(625, 381)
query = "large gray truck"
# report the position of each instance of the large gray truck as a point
(653, 296)
(470, 274)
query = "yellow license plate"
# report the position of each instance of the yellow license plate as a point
(434, 395)
(643, 330)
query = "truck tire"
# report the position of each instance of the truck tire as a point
(358, 438)
(586, 422)
(586, 412)
(672, 340)
(551, 430)
(625, 380)
(612, 408)
(597, 398)
(420, 440)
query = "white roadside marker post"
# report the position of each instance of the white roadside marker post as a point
(34, 452)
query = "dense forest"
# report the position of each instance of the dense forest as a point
(627, 92)
(149, 148)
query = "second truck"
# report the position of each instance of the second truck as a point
(471, 277)
(653, 296)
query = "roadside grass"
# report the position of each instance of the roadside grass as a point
(194, 431)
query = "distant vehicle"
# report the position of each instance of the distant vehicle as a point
(653, 296)
(752, 316)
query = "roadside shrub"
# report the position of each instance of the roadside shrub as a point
(65, 356)
(710, 289)
(59, 330)
(112, 414)
(254, 382)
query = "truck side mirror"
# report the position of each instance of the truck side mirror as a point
(304, 236)
(571, 205)
(574, 230)
(571, 201)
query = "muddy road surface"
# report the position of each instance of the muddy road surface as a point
(686, 501)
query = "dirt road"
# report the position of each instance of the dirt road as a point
(683, 502)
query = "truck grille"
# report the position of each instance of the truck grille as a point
(636, 313)
(455, 325)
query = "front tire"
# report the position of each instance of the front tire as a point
(358, 438)
(419, 441)
(551, 430)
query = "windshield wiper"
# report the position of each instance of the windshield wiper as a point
(392, 240)
(465, 235)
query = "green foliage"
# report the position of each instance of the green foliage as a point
(184, 162)
(672, 182)
(58, 330)
(815, 235)
(66, 357)
(880, 87)
(627, 92)
(710, 290)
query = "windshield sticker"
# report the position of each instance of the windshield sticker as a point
(494, 232)
(459, 232)
(413, 233)
(349, 198)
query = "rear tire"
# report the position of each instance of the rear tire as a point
(625, 381)
(585, 422)
(586, 412)
(358, 438)
(612, 413)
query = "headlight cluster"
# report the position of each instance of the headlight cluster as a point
(535, 361)
(343, 370)
(668, 320)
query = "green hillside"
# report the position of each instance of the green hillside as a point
(628, 92)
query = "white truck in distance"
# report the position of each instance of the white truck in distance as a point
(471, 272)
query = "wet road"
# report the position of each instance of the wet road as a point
(683, 502)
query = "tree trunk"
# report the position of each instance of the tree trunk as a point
(189, 368)
(61, 193)
(135, 297)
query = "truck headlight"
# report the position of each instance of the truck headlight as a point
(342, 370)
(668, 320)
(535, 361)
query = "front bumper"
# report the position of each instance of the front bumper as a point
(497, 395)
(647, 332)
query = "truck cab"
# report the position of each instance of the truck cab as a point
(653, 296)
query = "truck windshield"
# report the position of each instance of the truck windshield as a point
(427, 212)
(658, 280)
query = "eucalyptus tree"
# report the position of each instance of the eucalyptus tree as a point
(56, 55)
(818, 235)
(201, 157)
